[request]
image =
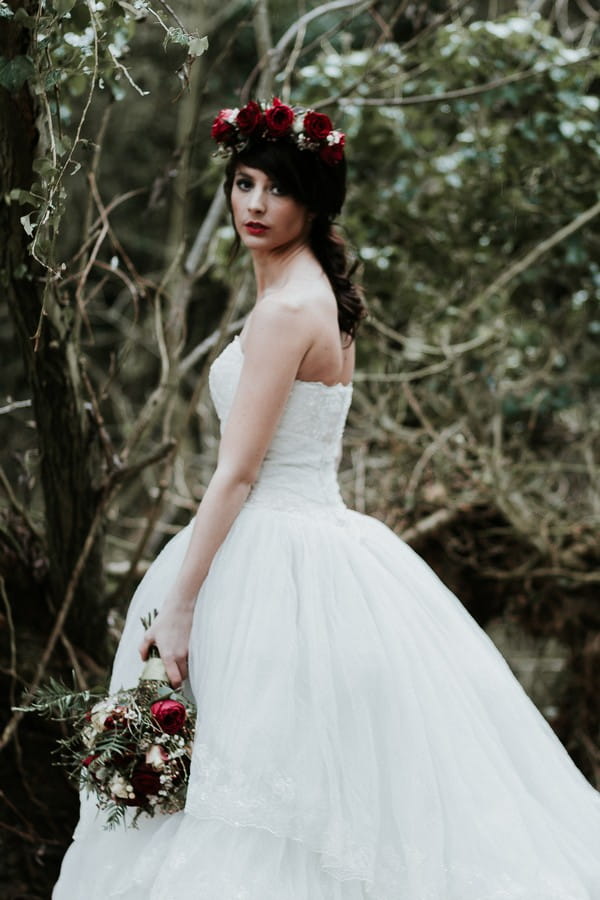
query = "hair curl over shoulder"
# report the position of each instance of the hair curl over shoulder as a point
(322, 189)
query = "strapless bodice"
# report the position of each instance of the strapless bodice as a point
(299, 469)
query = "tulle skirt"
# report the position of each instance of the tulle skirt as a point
(359, 736)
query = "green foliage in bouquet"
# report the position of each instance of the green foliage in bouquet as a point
(131, 749)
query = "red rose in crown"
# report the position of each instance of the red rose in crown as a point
(317, 125)
(222, 129)
(279, 118)
(249, 118)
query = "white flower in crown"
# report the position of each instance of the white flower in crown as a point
(298, 125)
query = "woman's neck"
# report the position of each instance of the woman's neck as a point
(274, 270)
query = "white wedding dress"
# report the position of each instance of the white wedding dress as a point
(359, 736)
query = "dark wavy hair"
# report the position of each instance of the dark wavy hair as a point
(322, 189)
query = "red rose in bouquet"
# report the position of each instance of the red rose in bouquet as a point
(317, 126)
(222, 130)
(279, 118)
(249, 118)
(145, 781)
(170, 715)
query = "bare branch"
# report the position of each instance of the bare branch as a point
(15, 404)
(274, 58)
(382, 63)
(588, 10)
(81, 680)
(301, 23)
(208, 344)
(457, 94)
(126, 583)
(430, 525)
(205, 233)
(12, 671)
(126, 472)
(264, 47)
(530, 258)
(59, 623)
(18, 507)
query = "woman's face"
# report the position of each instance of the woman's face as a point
(265, 217)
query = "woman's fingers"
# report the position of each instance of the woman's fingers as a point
(183, 667)
(176, 668)
(175, 665)
(146, 644)
(171, 640)
(173, 671)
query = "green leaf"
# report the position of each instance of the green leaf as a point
(43, 166)
(198, 46)
(80, 16)
(24, 197)
(63, 144)
(15, 72)
(22, 17)
(176, 36)
(5, 11)
(63, 6)
(77, 84)
(27, 224)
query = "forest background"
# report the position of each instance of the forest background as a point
(474, 166)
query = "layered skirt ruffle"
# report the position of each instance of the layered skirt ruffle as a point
(358, 736)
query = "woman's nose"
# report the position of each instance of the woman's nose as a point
(256, 199)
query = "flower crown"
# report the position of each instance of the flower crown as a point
(232, 129)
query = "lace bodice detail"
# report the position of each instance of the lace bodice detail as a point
(300, 466)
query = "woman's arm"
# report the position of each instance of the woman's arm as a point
(278, 338)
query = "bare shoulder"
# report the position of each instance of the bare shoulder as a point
(284, 317)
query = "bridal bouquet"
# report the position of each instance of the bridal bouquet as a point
(130, 749)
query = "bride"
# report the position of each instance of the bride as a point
(358, 735)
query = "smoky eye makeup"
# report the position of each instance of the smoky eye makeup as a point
(244, 182)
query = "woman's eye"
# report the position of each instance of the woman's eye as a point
(277, 190)
(243, 184)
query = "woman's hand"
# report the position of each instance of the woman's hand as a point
(170, 634)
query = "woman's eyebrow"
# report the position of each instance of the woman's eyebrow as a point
(246, 174)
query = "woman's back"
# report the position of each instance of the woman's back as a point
(300, 466)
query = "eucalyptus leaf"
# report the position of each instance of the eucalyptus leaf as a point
(176, 36)
(52, 78)
(63, 6)
(77, 84)
(80, 15)
(24, 197)
(15, 72)
(63, 144)
(43, 166)
(198, 46)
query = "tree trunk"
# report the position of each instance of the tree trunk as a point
(70, 463)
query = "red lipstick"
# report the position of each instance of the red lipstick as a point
(255, 227)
